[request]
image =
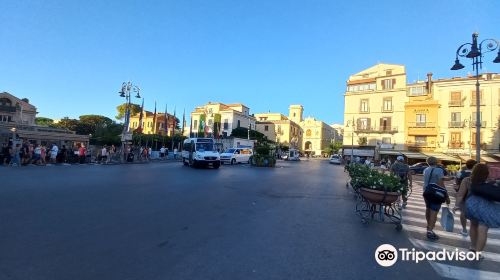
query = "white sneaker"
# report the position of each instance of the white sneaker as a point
(464, 233)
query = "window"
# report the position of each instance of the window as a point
(480, 119)
(364, 124)
(238, 125)
(421, 119)
(473, 138)
(456, 120)
(421, 140)
(226, 124)
(455, 139)
(294, 114)
(364, 106)
(387, 104)
(417, 91)
(386, 140)
(388, 72)
(441, 139)
(388, 83)
(195, 127)
(456, 98)
(385, 124)
(266, 128)
(473, 98)
(361, 87)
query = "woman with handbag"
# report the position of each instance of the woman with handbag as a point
(482, 207)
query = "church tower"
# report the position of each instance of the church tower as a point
(295, 113)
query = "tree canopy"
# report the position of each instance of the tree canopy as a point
(134, 109)
(43, 121)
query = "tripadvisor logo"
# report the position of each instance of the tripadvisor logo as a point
(386, 255)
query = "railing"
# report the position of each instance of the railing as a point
(473, 102)
(456, 103)
(473, 124)
(456, 145)
(373, 129)
(365, 111)
(388, 129)
(422, 124)
(364, 129)
(417, 144)
(6, 108)
(455, 124)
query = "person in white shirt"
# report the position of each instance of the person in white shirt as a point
(175, 153)
(53, 153)
(162, 152)
(104, 154)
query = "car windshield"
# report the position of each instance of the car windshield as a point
(230, 151)
(203, 147)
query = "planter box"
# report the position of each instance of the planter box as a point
(375, 196)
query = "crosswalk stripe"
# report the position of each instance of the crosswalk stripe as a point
(462, 273)
(449, 235)
(433, 246)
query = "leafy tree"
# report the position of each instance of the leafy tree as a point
(333, 148)
(67, 123)
(134, 109)
(42, 121)
(242, 132)
(89, 124)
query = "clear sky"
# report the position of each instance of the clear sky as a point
(70, 57)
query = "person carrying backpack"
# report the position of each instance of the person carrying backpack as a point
(402, 171)
(433, 175)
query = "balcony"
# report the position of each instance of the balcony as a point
(364, 129)
(373, 129)
(456, 124)
(455, 103)
(6, 108)
(483, 124)
(473, 103)
(456, 145)
(388, 129)
(421, 124)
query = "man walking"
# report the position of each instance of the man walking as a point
(401, 170)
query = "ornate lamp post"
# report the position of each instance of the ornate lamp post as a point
(126, 92)
(475, 52)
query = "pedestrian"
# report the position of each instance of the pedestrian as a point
(111, 153)
(43, 155)
(463, 182)
(162, 152)
(482, 212)
(16, 155)
(6, 152)
(175, 153)
(402, 171)
(53, 153)
(433, 175)
(37, 154)
(82, 153)
(64, 152)
(104, 155)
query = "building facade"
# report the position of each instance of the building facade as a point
(280, 128)
(374, 108)
(152, 124)
(317, 136)
(216, 119)
(17, 123)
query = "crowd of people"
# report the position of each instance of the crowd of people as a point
(477, 196)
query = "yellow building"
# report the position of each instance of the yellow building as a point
(317, 136)
(374, 109)
(281, 129)
(421, 117)
(151, 126)
(457, 114)
(216, 117)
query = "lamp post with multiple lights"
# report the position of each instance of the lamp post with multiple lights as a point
(126, 92)
(475, 52)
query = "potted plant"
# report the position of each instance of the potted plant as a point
(374, 186)
(263, 157)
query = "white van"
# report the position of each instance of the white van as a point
(292, 154)
(197, 152)
(236, 155)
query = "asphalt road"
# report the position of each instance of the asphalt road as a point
(167, 221)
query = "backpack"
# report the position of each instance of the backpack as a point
(434, 193)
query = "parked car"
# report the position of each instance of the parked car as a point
(418, 168)
(335, 159)
(236, 155)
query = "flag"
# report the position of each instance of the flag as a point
(139, 128)
(174, 125)
(154, 120)
(166, 119)
(183, 121)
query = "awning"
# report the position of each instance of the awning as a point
(415, 155)
(441, 156)
(390, 152)
(484, 158)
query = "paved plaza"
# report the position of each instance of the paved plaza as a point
(166, 221)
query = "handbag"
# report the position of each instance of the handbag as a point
(447, 220)
(434, 193)
(490, 191)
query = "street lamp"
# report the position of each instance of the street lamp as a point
(475, 52)
(351, 123)
(126, 92)
(13, 130)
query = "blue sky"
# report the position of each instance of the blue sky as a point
(70, 57)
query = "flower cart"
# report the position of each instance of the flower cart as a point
(377, 195)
